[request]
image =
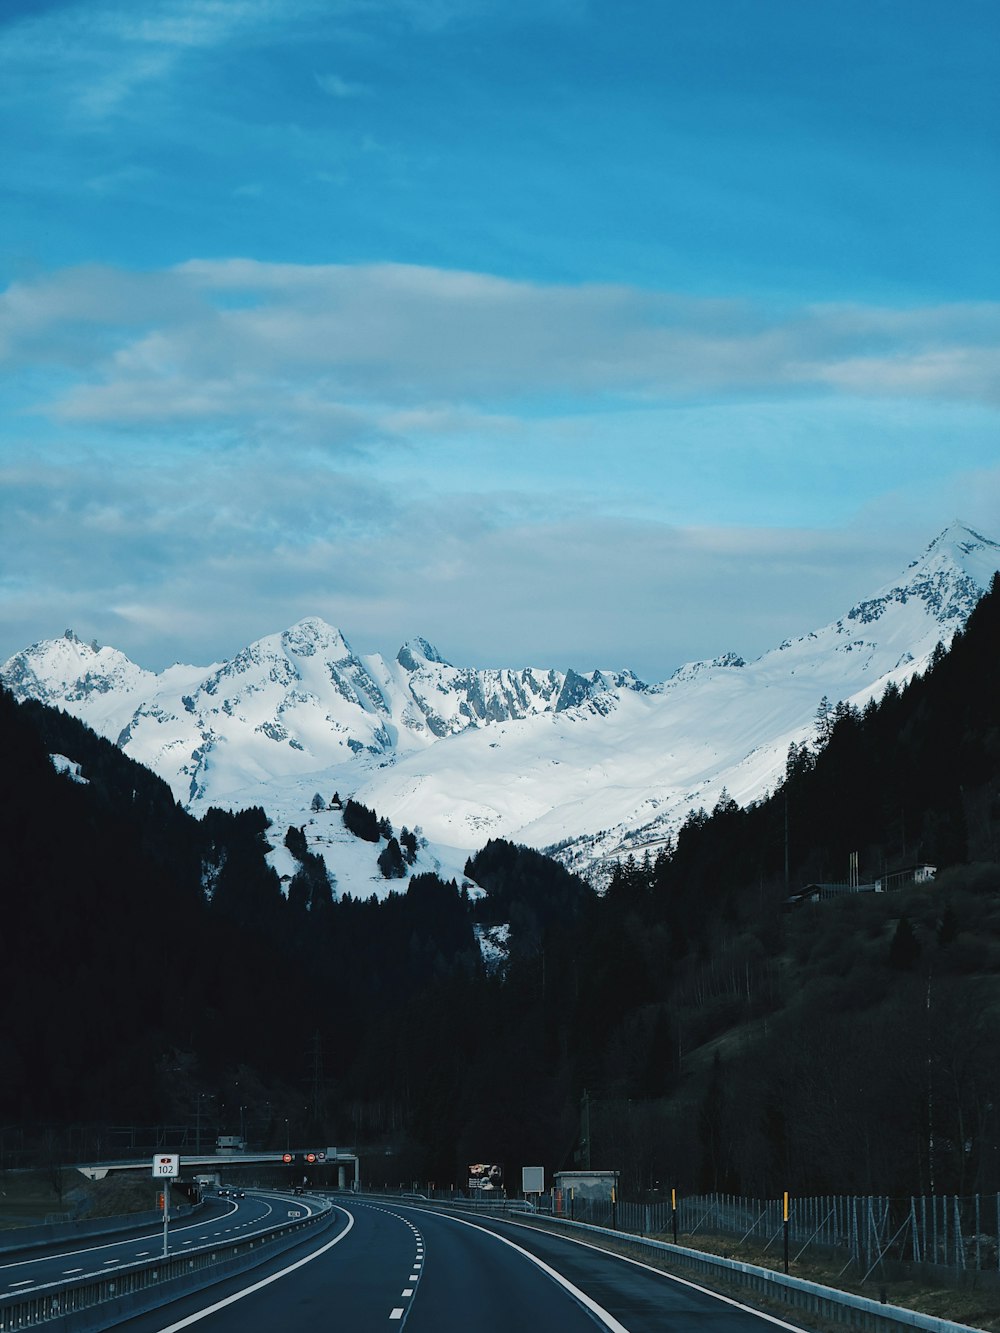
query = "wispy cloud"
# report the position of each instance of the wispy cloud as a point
(334, 86)
(102, 54)
(231, 340)
(204, 567)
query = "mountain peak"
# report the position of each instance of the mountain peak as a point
(949, 579)
(68, 670)
(415, 652)
(961, 543)
(594, 763)
(313, 635)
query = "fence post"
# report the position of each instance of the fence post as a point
(855, 1233)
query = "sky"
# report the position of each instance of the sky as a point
(590, 333)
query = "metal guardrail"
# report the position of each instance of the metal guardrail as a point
(843, 1307)
(852, 1311)
(46, 1233)
(102, 1300)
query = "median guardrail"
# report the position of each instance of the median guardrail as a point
(85, 1305)
(43, 1234)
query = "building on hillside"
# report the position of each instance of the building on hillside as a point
(898, 879)
(816, 893)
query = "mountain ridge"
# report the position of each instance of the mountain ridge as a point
(590, 766)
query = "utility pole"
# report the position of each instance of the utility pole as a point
(930, 1092)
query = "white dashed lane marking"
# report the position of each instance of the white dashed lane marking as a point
(399, 1311)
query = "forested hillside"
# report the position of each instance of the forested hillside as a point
(704, 1029)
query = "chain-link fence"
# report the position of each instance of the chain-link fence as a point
(951, 1233)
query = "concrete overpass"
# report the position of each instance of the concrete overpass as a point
(190, 1162)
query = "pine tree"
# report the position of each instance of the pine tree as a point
(390, 861)
(905, 947)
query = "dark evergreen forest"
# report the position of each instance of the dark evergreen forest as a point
(717, 1032)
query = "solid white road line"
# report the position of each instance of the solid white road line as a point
(671, 1277)
(598, 1311)
(92, 1249)
(264, 1282)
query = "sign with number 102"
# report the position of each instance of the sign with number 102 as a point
(166, 1166)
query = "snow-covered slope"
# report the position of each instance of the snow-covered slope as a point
(597, 764)
(621, 772)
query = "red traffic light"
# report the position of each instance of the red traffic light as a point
(310, 1157)
(286, 1157)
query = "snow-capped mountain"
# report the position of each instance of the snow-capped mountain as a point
(594, 765)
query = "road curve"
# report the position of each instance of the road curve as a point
(385, 1267)
(640, 1298)
(219, 1221)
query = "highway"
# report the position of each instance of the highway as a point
(220, 1219)
(384, 1266)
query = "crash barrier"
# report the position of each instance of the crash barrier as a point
(85, 1305)
(842, 1307)
(49, 1233)
(952, 1237)
(857, 1312)
(947, 1238)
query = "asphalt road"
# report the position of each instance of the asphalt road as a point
(384, 1267)
(220, 1219)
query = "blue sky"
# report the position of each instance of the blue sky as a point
(561, 333)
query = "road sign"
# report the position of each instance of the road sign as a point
(532, 1179)
(166, 1166)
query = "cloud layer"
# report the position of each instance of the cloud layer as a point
(562, 333)
(334, 351)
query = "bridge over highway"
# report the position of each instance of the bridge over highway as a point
(338, 1168)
